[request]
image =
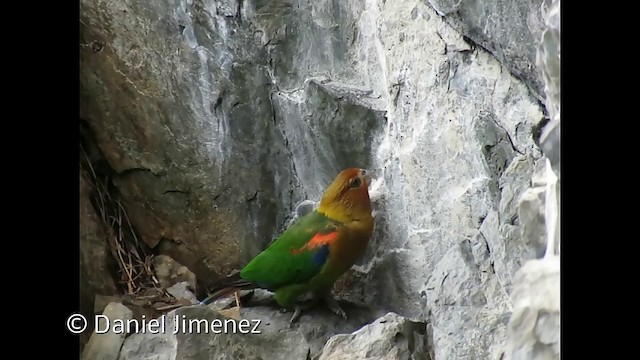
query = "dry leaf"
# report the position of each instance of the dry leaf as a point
(232, 313)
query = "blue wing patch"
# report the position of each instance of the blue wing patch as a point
(320, 255)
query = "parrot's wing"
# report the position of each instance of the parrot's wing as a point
(296, 256)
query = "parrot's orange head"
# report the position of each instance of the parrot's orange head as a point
(347, 198)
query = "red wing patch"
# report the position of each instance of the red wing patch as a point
(318, 239)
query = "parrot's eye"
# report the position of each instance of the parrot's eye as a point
(355, 182)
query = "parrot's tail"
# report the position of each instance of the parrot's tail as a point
(228, 286)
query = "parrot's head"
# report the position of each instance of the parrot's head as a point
(347, 198)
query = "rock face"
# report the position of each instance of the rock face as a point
(549, 64)
(389, 337)
(534, 328)
(107, 338)
(224, 119)
(510, 30)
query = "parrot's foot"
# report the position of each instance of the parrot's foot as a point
(299, 308)
(334, 306)
(296, 315)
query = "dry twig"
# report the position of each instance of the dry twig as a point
(135, 266)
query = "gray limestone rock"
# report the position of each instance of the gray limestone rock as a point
(534, 328)
(548, 62)
(170, 272)
(469, 305)
(510, 30)
(181, 291)
(261, 333)
(390, 337)
(531, 212)
(109, 334)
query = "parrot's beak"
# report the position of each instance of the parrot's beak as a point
(367, 175)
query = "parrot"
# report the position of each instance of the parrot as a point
(314, 251)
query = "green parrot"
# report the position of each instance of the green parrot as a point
(314, 251)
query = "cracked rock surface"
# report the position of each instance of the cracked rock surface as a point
(534, 328)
